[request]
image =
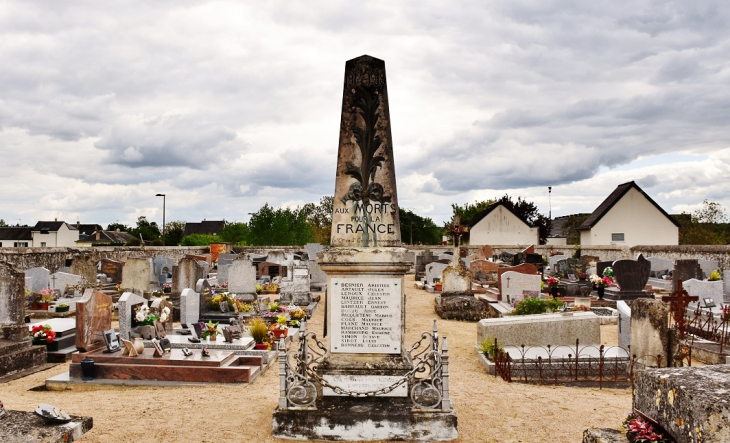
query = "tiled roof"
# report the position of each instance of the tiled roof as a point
(209, 227)
(107, 237)
(16, 233)
(612, 199)
(51, 226)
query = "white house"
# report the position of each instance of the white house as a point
(15, 237)
(629, 217)
(498, 225)
(55, 234)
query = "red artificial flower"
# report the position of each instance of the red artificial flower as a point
(50, 336)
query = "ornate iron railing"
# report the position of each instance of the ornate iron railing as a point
(301, 381)
(570, 364)
(703, 323)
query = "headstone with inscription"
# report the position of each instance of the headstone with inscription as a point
(514, 285)
(93, 317)
(684, 270)
(365, 268)
(112, 269)
(62, 280)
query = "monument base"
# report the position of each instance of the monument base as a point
(615, 294)
(461, 307)
(368, 419)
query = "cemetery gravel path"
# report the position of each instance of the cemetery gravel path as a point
(489, 409)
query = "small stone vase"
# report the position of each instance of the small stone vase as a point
(139, 345)
(601, 290)
(87, 369)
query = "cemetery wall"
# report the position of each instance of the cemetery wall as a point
(55, 258)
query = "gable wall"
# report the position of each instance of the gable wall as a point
(639, 220)
(501, 227)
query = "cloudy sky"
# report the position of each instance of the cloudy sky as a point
(224, 106)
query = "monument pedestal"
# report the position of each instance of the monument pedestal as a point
(457, 301)
(615, 294)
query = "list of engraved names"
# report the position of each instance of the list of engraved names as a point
(366, 315)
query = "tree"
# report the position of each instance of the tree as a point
(2, 223)
(122, 227)
(236, 233)
(418, 230)
(468, 211)
(149, 231)
(320, 218)
(705, 226)
(199, 240)
(280, 227)
(174, 232)
(570, 228)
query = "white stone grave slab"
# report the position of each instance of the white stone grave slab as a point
(434, 271)
(39, 278)
(189, 306)
(705, 289)
(242, 277)
(126, 301)
(366, 315)
(60, 280)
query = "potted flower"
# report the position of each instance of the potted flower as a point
(119, 287)
(211, 330)
(600, 283)
(552, 282)
(298, 314)
(259, 289)
(272, 288)
(438, 286)
(260, 333)
(63, 307)
(714, 276)
(46, 298)
(244, 308)
(294, 324)
(34, 300)
(280, 328)
(144, 317)
(42, 334)
(582, 276)
(166, 288)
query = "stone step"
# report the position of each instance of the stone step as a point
(22, 359)
(63, 342)
(10, 346)
(62, 355)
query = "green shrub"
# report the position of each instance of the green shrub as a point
(532, 305)
(488, 348)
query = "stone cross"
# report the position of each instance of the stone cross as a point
(678, 302)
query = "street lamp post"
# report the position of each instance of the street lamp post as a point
(550, 204)
(163, 217)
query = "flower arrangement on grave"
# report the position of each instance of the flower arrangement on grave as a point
(166, 287)
(553, 282)
(489, 348)
(34, 300)
(714, 276)
(215, 302)
(243, 306)
(211, 330)
(608, 272)
(47, 295)
(582, 275)
(580, 308)
(259, 289)
(281, 323)
(726, 312)
(271, 288)
(144, 316)
(165, 314)
(41, 333)
(639, 431)
(294, 323)
(601, 282)
(259, 331)
(224, 285)
(63, 307)
(297, 313)
(119, 287)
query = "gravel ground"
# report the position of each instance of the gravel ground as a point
(489, 409)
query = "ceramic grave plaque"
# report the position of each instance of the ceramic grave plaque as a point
(366, 314)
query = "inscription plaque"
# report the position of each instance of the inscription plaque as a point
(366, 315)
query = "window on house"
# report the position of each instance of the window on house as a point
(43, 244)
(20, 244)
(617, 236)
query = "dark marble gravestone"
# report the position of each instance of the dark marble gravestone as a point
(631, 277)
(685, 270)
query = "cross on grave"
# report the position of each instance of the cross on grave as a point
(678, 302)
(508, 279)
(53, 279)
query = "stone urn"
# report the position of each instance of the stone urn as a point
(139, 345)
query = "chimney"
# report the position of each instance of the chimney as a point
(55, 219)
(98, 235)
(78, 224)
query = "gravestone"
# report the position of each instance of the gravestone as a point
(707, 266)
(186, 274)
(60, 280)
(318, 279)
(163, 269)
(189, 306)
(208, 258)
(685, 270)
(624, 324)
(456, 279)
(93, 317)
(242, 279)
(483, 270)
(300, 286)
(601, 266)
(726, 285)
(136, 275)
(660, 266)
(223, 272)
(525, 268)
(365, 272)
(434, 272)
(569, 266)
(705, 289)
(514, 285)
(127, 303)
(650, 333)
(16, 352)
(553, 262)
(631, 277)
(85, 266)
(40, 278)
(206, 268)
(487, 252)
(112, 269)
